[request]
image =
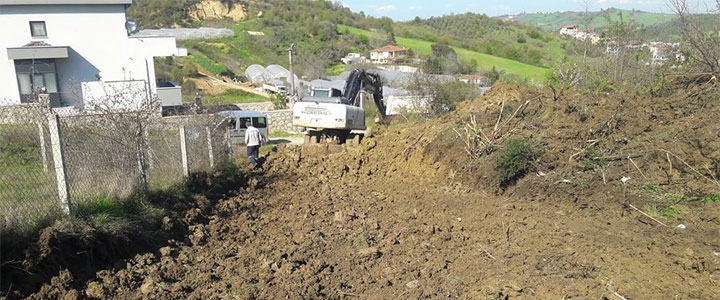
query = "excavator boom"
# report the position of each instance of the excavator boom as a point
(360, 80)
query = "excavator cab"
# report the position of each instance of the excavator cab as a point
(325, 93)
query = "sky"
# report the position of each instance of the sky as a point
(407, 9)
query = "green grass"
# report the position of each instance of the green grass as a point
(554, 21)
(26, 189)
(235, 96)
(336, 69)
(485, 61)
(281, 134)
(654, 26)
(208, 64)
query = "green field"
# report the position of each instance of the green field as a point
(485, 61)
(235, 96)
(651, 26)
(593, 19)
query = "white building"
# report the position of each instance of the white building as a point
(477, 80)
(661, 52)
(81, 52)
(354, 59)
(570, 30)
(387, 54)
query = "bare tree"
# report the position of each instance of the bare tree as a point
(624, 44)
(703, 42)
(587, 4)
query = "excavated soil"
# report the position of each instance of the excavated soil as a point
(408, 215)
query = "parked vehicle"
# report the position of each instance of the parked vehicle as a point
(236, 120)
(274, 88)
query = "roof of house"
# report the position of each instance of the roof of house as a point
(63, 2)
(389, 48)
(570, 26)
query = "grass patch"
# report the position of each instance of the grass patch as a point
(235, 96)
(515, 159)
(485, 61)
(208, 64)
(281, 134)
(711, 198)
(267, 148)
(335, 70)
(672, 205)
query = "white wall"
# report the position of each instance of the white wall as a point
(99, 47)
(400, 104)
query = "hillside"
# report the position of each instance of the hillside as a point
(324, 31)
(484, 61)
(652, 26)
(480, 33)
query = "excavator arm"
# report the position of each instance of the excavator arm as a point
(361, 80)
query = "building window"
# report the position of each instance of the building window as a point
(37, 29)
(35, 77)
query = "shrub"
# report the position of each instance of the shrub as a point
(515, 159)
(533, 34)
(279, 101)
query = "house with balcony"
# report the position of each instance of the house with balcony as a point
(83, 53)
(387, 54)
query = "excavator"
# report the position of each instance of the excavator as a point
(329, 114)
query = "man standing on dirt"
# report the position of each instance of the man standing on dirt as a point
(253, 140)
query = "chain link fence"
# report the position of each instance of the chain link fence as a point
(54, 165)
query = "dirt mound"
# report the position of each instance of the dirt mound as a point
(409, 215)
(72, 250)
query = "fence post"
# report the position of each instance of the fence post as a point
(228, 144)
(149, 157)
(140, 152)
(210, 148)
(183, 152)
(59, 160)
(41, 133)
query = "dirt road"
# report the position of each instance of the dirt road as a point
(408, 216)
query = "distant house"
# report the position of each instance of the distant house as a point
(661, 52)
(588, 34)
(387, 54)
(80, 52)
(354, 59)
(569, 30)
(613, 47)
(478, 80)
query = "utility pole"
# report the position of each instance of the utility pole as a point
(292, 75)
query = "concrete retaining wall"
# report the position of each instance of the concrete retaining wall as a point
(256, 106)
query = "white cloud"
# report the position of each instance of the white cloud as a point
(385, 8)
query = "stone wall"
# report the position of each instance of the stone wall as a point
(256, 106)
(281, 120)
